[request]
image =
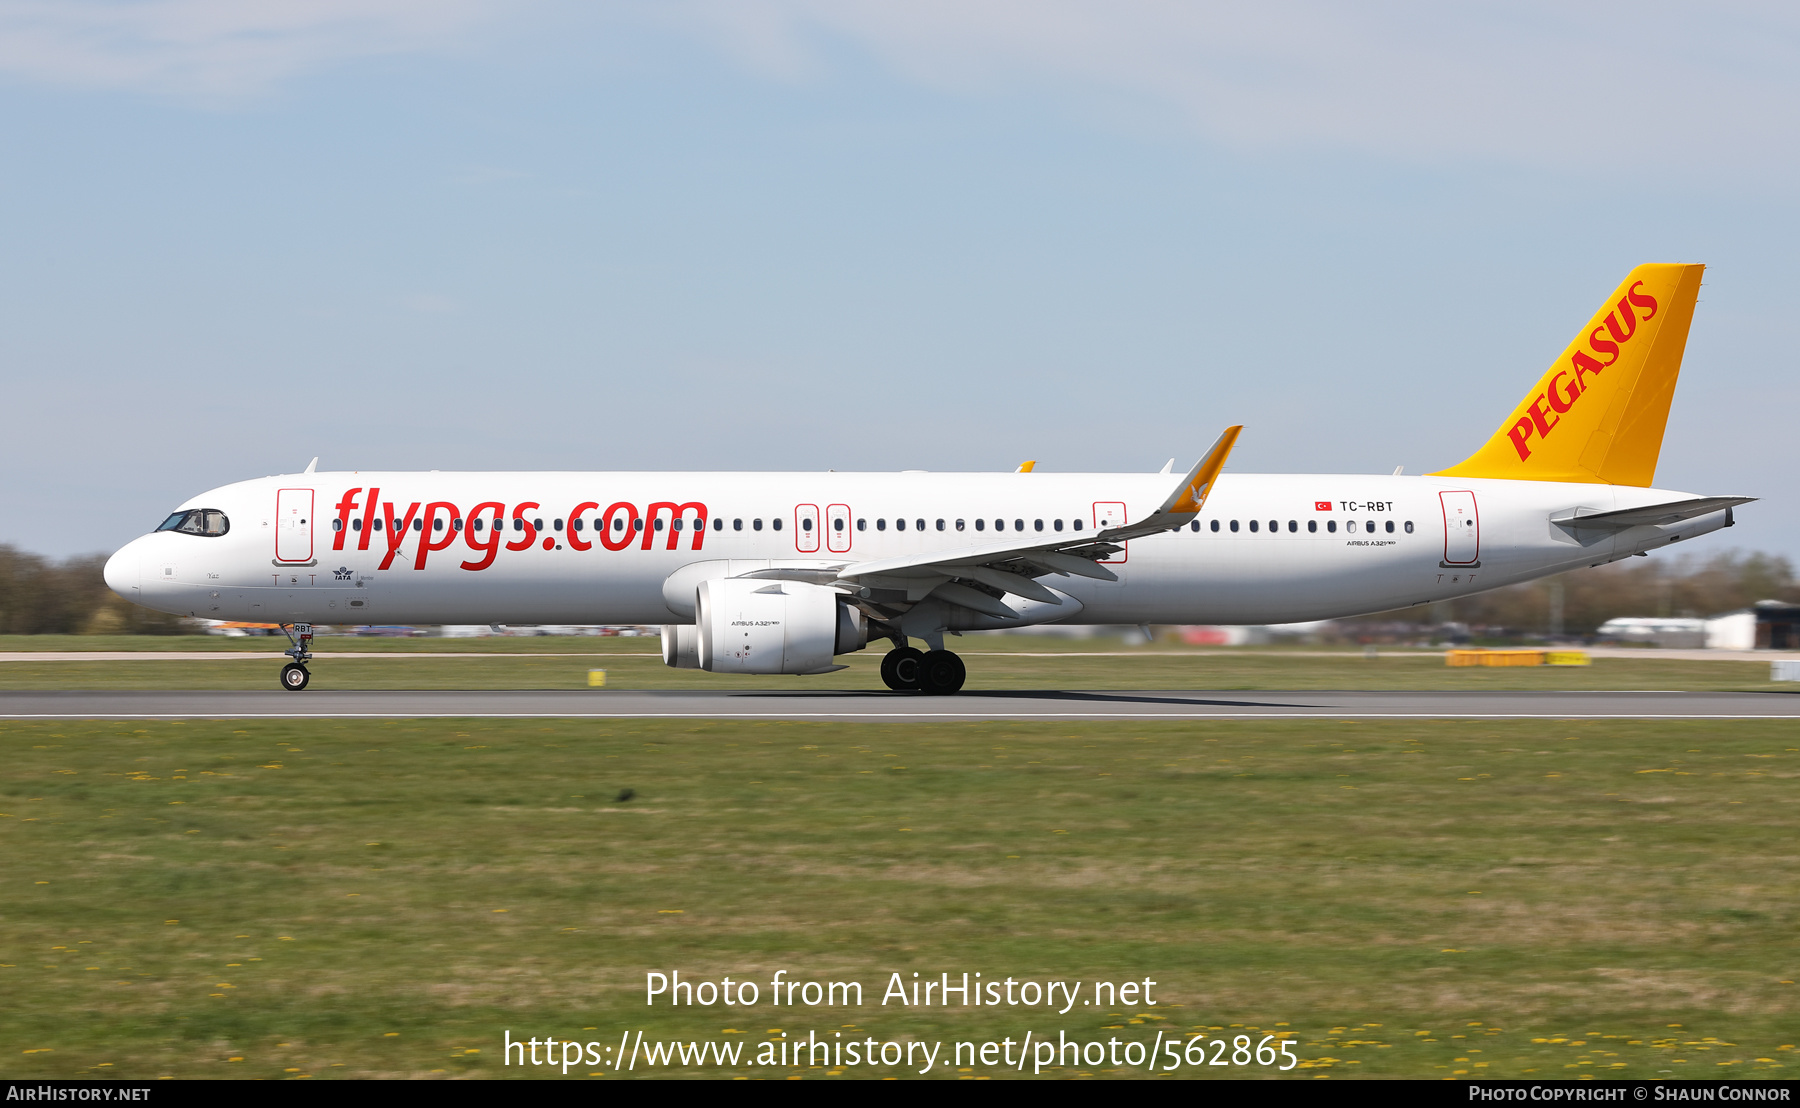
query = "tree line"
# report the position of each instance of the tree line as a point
(70, 597)
(1661, 586)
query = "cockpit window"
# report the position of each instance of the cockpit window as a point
(198, 521)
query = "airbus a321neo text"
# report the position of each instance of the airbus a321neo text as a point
(771, 573)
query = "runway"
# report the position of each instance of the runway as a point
(886, 707)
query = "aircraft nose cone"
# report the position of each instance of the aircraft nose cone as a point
(121, 572)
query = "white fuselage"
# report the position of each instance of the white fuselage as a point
(1270, 548)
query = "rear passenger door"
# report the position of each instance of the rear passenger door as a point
(1462, 529)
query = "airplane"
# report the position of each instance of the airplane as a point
(781, 573)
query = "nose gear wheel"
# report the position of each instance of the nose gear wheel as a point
(294, 675)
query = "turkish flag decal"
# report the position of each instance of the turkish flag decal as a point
(1321, 505)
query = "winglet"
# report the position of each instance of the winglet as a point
(1026, 467)
(1188, 499)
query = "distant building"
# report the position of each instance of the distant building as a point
(1770, 625)
(1672, 633)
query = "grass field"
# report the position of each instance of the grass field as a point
(385, 899)
(995, 662)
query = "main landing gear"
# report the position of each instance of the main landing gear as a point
(294, 675)
(935, 673)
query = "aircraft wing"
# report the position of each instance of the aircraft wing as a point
(1011, 566)
(1655, 515)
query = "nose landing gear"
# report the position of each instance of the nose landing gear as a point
(937, 673)
(294, 675)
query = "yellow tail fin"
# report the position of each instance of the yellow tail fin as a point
(1598, 413)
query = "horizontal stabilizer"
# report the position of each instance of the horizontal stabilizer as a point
(1656, 515)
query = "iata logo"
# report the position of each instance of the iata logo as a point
(342, 573)
(1604, 345)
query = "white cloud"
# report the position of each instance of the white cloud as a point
(1589, 87)
(216, 49)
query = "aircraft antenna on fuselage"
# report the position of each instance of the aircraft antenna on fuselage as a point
(310, 466)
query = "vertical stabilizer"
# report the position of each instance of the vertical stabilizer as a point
(1598, 412)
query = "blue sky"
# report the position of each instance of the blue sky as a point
(773, 235)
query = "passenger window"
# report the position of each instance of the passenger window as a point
(1056, 524)
(618, 523)
(719, 523)
(537, 525)
(959, 525)
(1331, 526)
(1194, 526)
(658, 523)
(756, 525)
(1037, 525)
(1312, 525)
(456, 524)
(1350, 526)
(981, 525)
(1370, 527)
(558, 523)
(1390, 527)
(1215, 526)
(899, 525)
(1018, 525)
(418, 524)
(356, 525)
(1409, 526)
(437, 525)
(999, 525)
(337, 525)
(737, 525)
(637, 525)
(920, 525)
(776, 523)
(676, 523)
(881, 525)
(806, 525)
(940, 525)
(1234, 526)
(1293, 525)
(518, 524)
(1075, 523)
(1274, 526)
(837, 524)
(1253, 526)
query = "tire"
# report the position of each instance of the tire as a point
(294, 677)
(941, 673)
(900, 669)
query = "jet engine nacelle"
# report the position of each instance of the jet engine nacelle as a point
(751, 625)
